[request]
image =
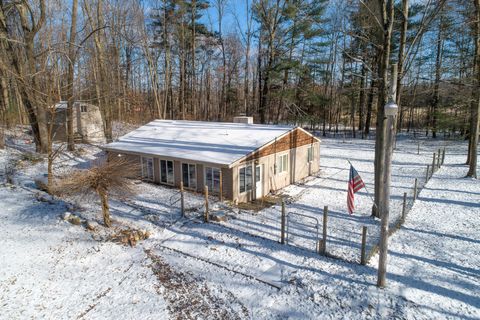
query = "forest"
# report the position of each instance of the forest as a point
(319, 64)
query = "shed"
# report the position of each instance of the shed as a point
(87, 123)
(250, 159)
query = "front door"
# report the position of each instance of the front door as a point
(258, 182)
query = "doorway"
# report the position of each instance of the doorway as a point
(258, 181)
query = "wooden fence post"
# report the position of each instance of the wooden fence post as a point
(221, 187)
(443, 156)
(418, 149)
(206, 217)
(428, 173)
(182, 200)
(404, 206)
(438, 158)
(363, 256)
(282, 231)
(433, 163)
(324, 235)
(415, 190)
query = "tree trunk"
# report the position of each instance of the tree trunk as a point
(70, 76)
(105, 207)
(380, 145)
(438, 66)
(475, 107)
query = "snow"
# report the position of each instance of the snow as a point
(238, 269)
(211, 142)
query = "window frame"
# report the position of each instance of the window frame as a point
(211, 187)
(245, 182)
(166, 171)
(146, 177)
(188, 185)
(83, 108)
(279, 160)
(310, 154)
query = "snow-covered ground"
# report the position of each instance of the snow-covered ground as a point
(238, 269)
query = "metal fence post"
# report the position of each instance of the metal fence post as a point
(415, 190)
(324, 235)
(282, 234)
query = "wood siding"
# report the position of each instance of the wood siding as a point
(292, 140)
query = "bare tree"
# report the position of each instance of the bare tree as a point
(105, 179)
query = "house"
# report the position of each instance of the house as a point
(250, 160)
(87, 123)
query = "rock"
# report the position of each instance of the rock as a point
(219, 217)
(41, 182)
(75, 220)
(66, 215)
(92, 225)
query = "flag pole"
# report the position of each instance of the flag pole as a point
(365, 186)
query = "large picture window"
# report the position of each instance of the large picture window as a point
(245, 179)
(212, 179)
(282, 163)
(166, 172)
(189, 175)
(147, 168)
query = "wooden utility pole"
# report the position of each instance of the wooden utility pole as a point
(385, 205)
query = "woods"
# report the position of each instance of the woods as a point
(320, 64)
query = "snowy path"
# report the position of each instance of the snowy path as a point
(434, 259)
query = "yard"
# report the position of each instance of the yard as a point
(238, 268)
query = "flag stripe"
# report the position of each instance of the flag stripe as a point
(355, 183)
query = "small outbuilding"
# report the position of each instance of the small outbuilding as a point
(87, 123)
(250, 160)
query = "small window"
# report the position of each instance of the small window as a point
(282, 163)
(189, 175)
(212, 179)
(166, 172)
(310, 154)
(147, 169)
(83, 108)
(245, 179)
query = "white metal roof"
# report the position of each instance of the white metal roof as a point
(211, 142)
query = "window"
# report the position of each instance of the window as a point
(189, 175)
(245, 179)
(166, 172)
(83, 108)
(212, 179)
(310, 154)
(147, 168)
(282, 163)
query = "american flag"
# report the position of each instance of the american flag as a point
(355, 183)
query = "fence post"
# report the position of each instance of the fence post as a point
(324, 235)
(221, 187)
(404, 206)
(182, 200)
(282, 234)
(418, 149)
(363, 256)
(428, 173)
(438, 158)
(415, 190)
(443, 156)
(206, 217)
(433, 163)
